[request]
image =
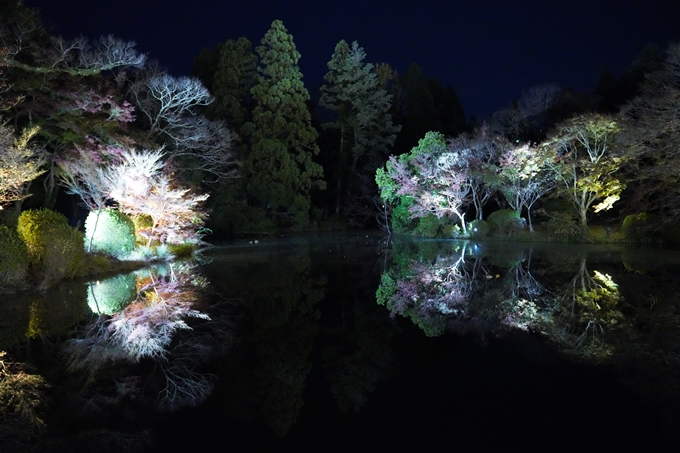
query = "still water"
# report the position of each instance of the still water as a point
(359, 342)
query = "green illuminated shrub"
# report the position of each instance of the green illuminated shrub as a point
(505, 222)
(55, 250)
(640, 227)
(401, 216)
(427, 226)
(113, 233)
(13, 258)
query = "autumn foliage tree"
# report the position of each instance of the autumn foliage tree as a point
(431, 179)
(20, 163)
(583, 154)
(140, 188)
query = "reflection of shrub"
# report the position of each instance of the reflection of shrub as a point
(113, 233)
(505, 222)
(181, 250)
(638, 227)
(13, 258)
(55, 249)
(111, 295)
(478, 229)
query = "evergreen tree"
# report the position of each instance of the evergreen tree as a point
(279, 165)
(232, 80)
(353, 91)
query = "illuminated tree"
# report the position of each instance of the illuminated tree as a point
(20, 163)
(352, 91)
(22, 401)
(524, 177)
(583, 156)
(279, 166)
(478, 154)
(139, 188)
(170, 107)
(428, 180)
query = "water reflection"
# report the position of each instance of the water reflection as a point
(289, 331)
(139, 318)
(616, 306)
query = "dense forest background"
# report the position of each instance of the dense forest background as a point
(271, 154)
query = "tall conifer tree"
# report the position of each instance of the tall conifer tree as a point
(353, 91)
(234, 77)
(279, 166)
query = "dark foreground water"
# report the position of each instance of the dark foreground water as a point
(352, 342)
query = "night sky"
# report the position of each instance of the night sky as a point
(490, 51)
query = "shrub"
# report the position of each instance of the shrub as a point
(401, 217)
(55, 250)
(563, 227)
(505, 222)
(427, 226)
(13, 258)
(112, 233)
(478, 229)
(638, 227)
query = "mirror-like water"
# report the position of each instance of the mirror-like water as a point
(352, 342)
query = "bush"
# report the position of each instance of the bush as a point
(401, 217)
(639, 227)
(113, 233)
(563, 227)
(478, 229)
(427, 226)
(55, 250)
(13, 258)
(505, 222)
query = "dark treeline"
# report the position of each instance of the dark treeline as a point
(244, 129)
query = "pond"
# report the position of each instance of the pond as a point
(359, 342)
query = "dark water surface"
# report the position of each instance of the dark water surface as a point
(467, 347)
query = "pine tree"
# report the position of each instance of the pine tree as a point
(354, 92)
(279, 165)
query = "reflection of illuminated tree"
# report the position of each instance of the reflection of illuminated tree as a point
(467, 290)
(589, 309)
(148, 329)
(432, 292)
(56, 310)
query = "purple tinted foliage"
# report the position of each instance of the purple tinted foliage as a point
(90, 101)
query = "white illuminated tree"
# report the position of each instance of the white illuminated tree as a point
(171, 107)
(140, 188)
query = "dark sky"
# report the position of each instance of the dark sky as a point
(488, 50)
